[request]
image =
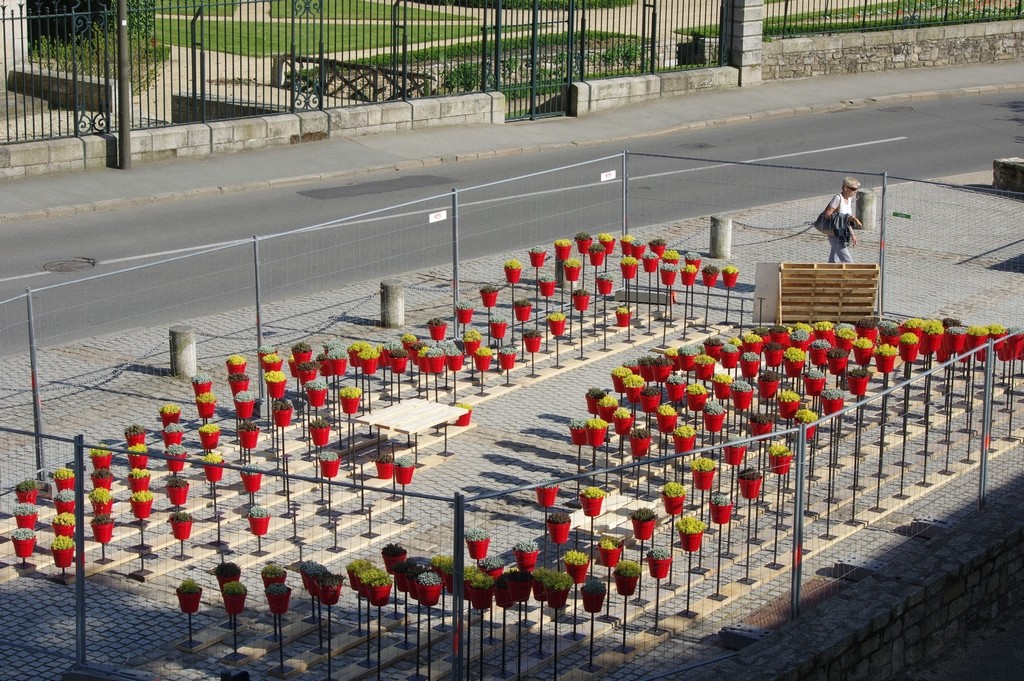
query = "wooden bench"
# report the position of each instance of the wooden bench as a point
(843, 292)
(412, 417)
(350, 80)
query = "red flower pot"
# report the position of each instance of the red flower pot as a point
(557, 599)
(668, 277)
(722, 390)
(142, 509)
(506, 362)
(370, 365)
(63, 530)
(27, 497)
(767, 389)
(832, 406)
(750, 489)
(780, 464)
(773, 358)
(559, 534)
(546, 496)
(244, 410)
(329, 468)
(556, 327)
(138, 484)
(628, 271)
(168, 419)
(734, 454)
(63, 558)
(593, 602)
(526, 560)
(480, 599)
(659, 567)
(682, 445)
(788, 410)
(643, 529)
(390, 561)
(908, 353)
(248, 439)
(320, 436)
(713, 422)
(522, 312)
(720, 514)
(863, 355)
(750, 368)
(206, 410)
(757, 429)
(27, 522)
(704, 372)
(609, 558)
(742, 400)
(596, 436)
(283, 418)
(703, 479)
(596, 258)
(69, 483)
(605, 286)
(547, 288)
(23, 548)
(478, 549)
(837, 365)
(213, 472)
(499, 329)
(171, 438)
(858, 384)
(99, 462)
(709, 278)
(251, 482)
(65, 506)
(537, 258)
(464, 315)
(885, 363)
(209, 440)
(238, 386)
(625, 586)
(385, 470)
(278, 603)
(571, 274)
(175, 464)
(691, 542)
(259, 526)
(639, 447)
(489, 298)
(591, 506)
(729, 279)
(930, 343)
(673, 505)
(428, 594)
(675, 391)
(329, 594)
(181, 530)
(234, 604)
(583, 245)
(581, 303)
(403, 474)
(316, 398)
(813, 386)
(696, 402)
(438, 332)
(578, 435)
(577, 572)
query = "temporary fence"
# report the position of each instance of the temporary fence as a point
(914, 447)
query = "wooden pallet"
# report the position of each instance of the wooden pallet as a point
(836, 292)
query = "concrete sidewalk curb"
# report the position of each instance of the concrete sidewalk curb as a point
(431, 161)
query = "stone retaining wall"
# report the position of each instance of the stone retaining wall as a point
(891, 50)
(909, 612)
(205, 139)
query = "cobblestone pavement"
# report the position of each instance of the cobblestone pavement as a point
(96, 386)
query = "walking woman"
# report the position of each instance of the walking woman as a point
(845, 238)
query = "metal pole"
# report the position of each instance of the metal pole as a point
(259, 313)
(455, 257)
(458, 611)
(881, 248)
(798, 523)
(986, 422)
(625, 192)
(124, 90)
(37, 403)
(80, 657)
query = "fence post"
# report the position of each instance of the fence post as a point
(455, 257)
(986, 422)
(259, 312)
(458, 563)
(37, 402)
(124, 89)
(625, 193)
(798, 523)
(80, 656)
(881, 247)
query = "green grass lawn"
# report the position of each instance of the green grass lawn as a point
(365, 10)
(225, 8)
(263, 39)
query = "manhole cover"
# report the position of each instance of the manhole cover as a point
(70, 265)
(897, 109)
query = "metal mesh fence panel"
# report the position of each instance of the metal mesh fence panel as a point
(539, 208)
(970, 239)
(771, 215)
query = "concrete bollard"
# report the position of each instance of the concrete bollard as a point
(183, 351)
(867, 209)
(1008, 174)
(560, 276)
(721, 237)
(392, 304)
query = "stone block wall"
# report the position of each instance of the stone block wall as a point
(890, 50)
(911, 611)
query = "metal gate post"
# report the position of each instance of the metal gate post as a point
(458, 566)
(455, 260)
(259, 297)
(625, 193)
(881, 248)
(986, 422)
(798, 523)
(37, 402)
(80, 642)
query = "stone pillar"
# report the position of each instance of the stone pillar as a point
(392, 304)
(1008, 174)
(560, 275)
(867, 209)
(745, 43)
(183, 351)
(721, 237)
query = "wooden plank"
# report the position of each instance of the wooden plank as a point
(833, 291)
